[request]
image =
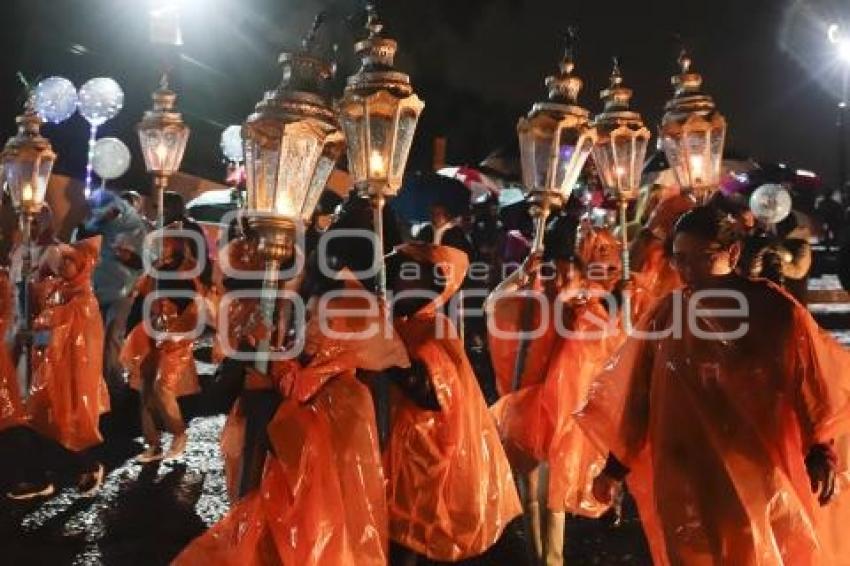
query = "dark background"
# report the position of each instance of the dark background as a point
(478, 64)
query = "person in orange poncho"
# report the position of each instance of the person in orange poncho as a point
(158, 351)
(240, 328)
(536, 422)
(722, 421)
(648, 251)
(68, 392)
(450, 488)
(322, 496)
(12, 412)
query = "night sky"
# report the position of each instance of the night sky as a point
(477, 64)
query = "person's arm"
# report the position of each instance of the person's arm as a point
(798, 262)
(416, 385)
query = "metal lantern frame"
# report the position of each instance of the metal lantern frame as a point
(291, 143)
(622, 140)
(555, 140)
(27, 160)
(693, 133)
(379, 112)
(163, 136)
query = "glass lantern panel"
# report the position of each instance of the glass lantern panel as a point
(573, 150)
(404, 139)
(696, 152)
(45, 166)
(261, 172)
(381, 129)
(301, 147)
(670, 145)
(174, 141)
(354, 127)
(624, 162)
(152, 149)
(602, 156)
(526, 151)
(317, 185)
(543, 141)
(12, 178)
(716, 153)
(640, 146)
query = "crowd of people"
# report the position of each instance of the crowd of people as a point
(474, 390)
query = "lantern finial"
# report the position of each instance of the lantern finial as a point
(616, 97)
(310, 39)
(373, 22)
(564, 87)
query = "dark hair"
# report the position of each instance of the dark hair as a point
(709, 223)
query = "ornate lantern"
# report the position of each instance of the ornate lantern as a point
(619, 154)
(163, 136)
(621, 142)
(379, 113)
(292, 141)
(27, 160)
(693, 133)
(555, 141)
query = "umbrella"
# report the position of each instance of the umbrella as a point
(479, 184)
(212, 206)
(421, 191)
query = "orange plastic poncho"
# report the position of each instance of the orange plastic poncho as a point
(536, 422)
(451, 492)
(173, 356)
(322, 498)
(715, 431)
(68, 392)
(647, 252)
(12, 411)
(244, 320)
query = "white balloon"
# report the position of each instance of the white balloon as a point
(55, 99)
(231, 143)
(771, 203)
(110, 158)
(101, 99)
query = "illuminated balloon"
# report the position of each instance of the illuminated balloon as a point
(771, 203)
(55, 99)
(231, 143)
(110, 158)
(101, 99)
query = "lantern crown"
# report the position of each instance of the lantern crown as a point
(301, 92)
(29, 129)
(688, 94)
(617, 98)
(377, 68)
(563, 86)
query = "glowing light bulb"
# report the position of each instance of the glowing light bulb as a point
(696, 169)
(377, 167)
(26, 195)
(621, 174)
(161, 152)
